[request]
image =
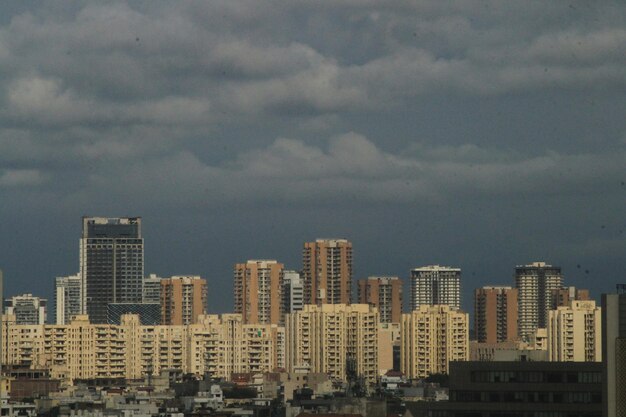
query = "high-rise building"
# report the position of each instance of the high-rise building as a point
(152, 289)
(293, 292)
(614, 352)
(431, 338)
(561, 297)
(495, 314)
(67, 298)
(384, 293)
(111, 264)
(535, 283)
(435, 285)
(327, 271)
(574, 333)
(333, 338)
(183, 299)
(27, 309)
(258, 291)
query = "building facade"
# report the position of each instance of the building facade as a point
(518, 389)
(575, 333)
(431, 338)
(258, 286)
(561, 297)
(67, 298)
(152, 289)
(614, 352)
(384, 293)
(435, 285)
(293, 292)
(329, 337)
(111, 264)
(183, 299)
(327, 271)
(27, 309)
(535, 283)
(215, 345)
(495, 314)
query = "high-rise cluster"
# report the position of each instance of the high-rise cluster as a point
(111, 280)
(113, 320)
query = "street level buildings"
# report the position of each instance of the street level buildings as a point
(258, 291)
(384, 293)
(519, 389)
(27, 309)
(575, 333)
(535, 283)
(183, 299)
(495, 314)
(331, 337)
(111, 264)
(435, 285)
(67, 298)
(432, 337)
(327, 271)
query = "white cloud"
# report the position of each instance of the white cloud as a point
(21, 178)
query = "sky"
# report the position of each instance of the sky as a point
(474, 134)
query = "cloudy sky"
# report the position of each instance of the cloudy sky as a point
(481, 135)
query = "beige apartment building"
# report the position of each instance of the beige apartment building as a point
(495, 314)
(325, 338)
(384, 293)
(432, 337)
(575, 333)
(327, 271)
(218, 345)
(258, 286)
(183, 299)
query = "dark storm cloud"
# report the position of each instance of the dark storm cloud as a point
(489, 117)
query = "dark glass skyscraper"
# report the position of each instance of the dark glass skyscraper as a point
(111, 264)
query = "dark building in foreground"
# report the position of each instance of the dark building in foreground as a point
(614, 352)
(519, 389)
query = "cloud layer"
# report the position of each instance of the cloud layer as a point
(494, 115)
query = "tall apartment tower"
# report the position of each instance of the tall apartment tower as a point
(327, 271)
(535, 283)
(331, 338)
(293, 292)
(495, 314)
(67, 298)
(614, 352)
(431, 338)
(111, 264)
(258, 291)
(183, 299)
(385, 293)
(574, 333)
(27, 309)
(435, 285)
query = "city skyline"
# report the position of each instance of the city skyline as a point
(466, 305)
(463, 134)
(407, 282)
